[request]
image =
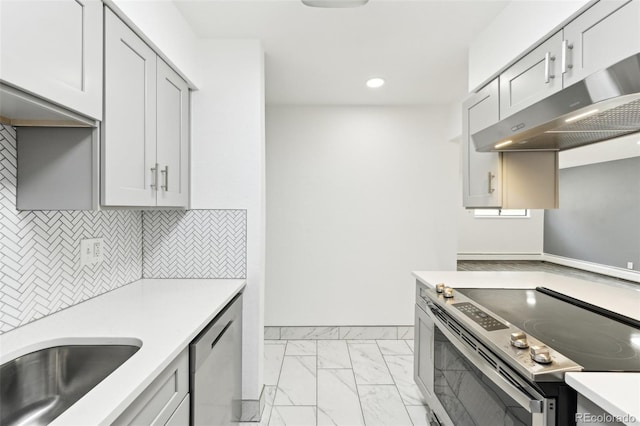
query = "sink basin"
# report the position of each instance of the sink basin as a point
(37, 387)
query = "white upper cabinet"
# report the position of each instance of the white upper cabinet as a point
(145, 143)
(481, 170)
(603, 35)
(53, 49)
(172, 148)
(129, 129)
(532, 78)
(510, 180)
(607, 32)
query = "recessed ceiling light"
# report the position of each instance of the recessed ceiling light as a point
(375, 82)
(334, 3)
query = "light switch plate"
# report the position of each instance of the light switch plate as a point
(91, 251)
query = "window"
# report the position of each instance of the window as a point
(501, 213)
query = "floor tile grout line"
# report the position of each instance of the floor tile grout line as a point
(395, 384)
(364, 421)
(334, 368)
(399, 340)
(273, 404)
(317, 381)
(295, 356)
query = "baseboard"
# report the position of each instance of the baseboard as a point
(376, 332)
(251, 410)
(612, 271)
(499, 256)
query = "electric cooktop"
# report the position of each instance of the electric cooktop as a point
(591, 339)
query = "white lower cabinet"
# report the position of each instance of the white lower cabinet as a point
(180, 417)
(163, 402)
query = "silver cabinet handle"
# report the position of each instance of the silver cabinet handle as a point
(165, 174)
(547, 67)
(154, 176)
(491, 176)
(566, 46)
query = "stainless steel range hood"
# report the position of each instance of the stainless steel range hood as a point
(603, 106)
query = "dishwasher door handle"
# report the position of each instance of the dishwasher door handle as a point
(219, 336)
(227, 322)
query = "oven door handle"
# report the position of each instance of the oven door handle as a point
(530, 404)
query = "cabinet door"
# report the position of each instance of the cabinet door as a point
(172, 137)
(603, 35)
(53, 49)
(532, 78)
(424, 359)
(181, 416)
(129, 138)
(481, 174)
(159, 402)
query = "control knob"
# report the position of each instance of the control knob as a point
(519, 340)
(447, 292)
(540, 354)
(440, 287)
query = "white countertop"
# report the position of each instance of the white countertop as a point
(165, 315)
(617, 393)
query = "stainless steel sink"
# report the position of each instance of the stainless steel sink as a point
(37, 387)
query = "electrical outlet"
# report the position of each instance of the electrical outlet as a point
(91, 251)
(97, 250)
(629, 265)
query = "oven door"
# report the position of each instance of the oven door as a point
(476, 388)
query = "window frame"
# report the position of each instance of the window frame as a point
(500, 215)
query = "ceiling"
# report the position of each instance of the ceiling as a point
(324, 56)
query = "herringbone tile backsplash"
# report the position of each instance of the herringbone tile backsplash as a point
(195, 244)
(40, 269)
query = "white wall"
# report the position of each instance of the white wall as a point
(227, 169)
(500, 236)
(358, 197)
(166, 30)
(520, 24)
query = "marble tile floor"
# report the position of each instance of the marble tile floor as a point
(340, 382)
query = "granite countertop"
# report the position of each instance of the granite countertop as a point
(165, 315)
(615, 392)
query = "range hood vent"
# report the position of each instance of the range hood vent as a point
(605, 105)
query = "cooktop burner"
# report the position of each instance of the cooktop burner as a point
(592, 340)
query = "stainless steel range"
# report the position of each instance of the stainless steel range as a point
(498, 356)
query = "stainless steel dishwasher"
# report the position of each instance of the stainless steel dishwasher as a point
(215, 358)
